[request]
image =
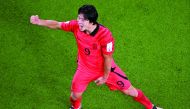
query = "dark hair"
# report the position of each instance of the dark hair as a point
(90, 13)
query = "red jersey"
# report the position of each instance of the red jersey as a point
(91, 47)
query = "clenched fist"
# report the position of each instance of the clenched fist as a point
(34, 19)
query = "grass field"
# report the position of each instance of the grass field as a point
(152, 47)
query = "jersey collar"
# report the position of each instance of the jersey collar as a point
(95, 30)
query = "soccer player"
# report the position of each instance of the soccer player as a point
(95, 62)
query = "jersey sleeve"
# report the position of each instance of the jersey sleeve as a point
(69, 25)
(107, 44)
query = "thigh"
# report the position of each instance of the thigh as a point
(81, 80)
(117, 79)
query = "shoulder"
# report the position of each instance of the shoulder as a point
(69, 25)
(71, 22)
(104, 33)
(104, 30)
(74, 22)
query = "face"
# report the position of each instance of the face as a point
(83, 23)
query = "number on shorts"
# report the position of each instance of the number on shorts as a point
(120, 83)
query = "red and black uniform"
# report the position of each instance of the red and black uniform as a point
(91, 48)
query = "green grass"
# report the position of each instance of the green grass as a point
(152, 46)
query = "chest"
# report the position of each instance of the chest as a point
(87, 41)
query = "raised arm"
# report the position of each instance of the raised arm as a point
(34, 19)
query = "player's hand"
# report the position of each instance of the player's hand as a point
(100, 81)
(34, 19)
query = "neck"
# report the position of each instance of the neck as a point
(91, 29)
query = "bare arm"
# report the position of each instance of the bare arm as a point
(107, 65)
(47, 23)
(107, 69)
